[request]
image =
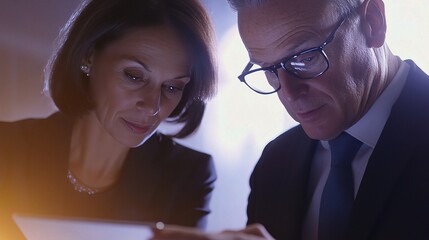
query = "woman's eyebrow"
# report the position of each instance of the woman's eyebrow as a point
(134, 59)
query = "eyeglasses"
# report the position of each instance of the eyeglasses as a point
(306, 64)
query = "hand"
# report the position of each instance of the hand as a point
(251, 232)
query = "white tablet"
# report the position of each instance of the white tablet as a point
(58, 228)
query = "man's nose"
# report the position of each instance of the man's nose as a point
(292, 87)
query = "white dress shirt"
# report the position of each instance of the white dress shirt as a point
(368, 129)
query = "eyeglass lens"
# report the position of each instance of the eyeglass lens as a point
(263, 81)
(306, 65)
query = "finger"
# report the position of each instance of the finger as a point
(255, 229)
(178, 232)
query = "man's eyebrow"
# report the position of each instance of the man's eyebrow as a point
(295, 48)
(256, 62)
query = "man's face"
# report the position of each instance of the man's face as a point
(332, 102)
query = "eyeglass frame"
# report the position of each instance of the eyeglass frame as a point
(273, 68)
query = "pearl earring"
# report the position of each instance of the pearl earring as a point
(85, 69)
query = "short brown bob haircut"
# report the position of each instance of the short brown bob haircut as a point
(96, 23)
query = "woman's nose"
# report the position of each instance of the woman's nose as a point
(149, 103)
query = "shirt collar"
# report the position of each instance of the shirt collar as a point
(368, 129)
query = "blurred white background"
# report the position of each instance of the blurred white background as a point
(238, 123)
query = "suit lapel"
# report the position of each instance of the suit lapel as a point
(389, 159)
(295, 184)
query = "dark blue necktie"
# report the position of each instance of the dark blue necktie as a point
(338, 195)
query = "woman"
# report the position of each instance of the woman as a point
(121, 68)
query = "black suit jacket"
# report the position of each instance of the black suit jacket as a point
(393, 199)
(160, 181)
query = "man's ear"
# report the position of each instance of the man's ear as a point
(373, 22)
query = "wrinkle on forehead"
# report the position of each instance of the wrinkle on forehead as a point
(285, 46)
(269, 28)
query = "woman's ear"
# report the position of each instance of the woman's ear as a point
(86, 63)
(373, 22)
(88, 59)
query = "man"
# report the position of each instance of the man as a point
(328, 62)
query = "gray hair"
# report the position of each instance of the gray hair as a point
(239, 4)
(341, 6)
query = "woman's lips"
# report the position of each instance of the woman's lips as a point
(137, 128)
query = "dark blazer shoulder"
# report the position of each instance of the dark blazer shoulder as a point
(288, 144)
(22, 127)
(175, 151)
(295, 133)
(191, 175)
(178, 147)
(279, 184)
(31, 137)
(393, 194)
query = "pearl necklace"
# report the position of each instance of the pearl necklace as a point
(79, 186)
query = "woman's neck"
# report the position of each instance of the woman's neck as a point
(96, 158)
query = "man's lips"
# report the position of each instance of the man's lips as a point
(137, 127)
(308, 115)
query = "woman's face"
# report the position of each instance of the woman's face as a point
(137, 81)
